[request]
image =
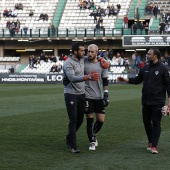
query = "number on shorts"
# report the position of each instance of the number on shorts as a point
(87, 104)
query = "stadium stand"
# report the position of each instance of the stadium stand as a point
(37, 6)
(43, 67)
(74, 17)
(7, 62)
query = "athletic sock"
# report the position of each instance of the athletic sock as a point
(97, 127)
(90, 128)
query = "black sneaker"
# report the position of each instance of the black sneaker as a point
(75, 150)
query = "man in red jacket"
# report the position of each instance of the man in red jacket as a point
(126, 20)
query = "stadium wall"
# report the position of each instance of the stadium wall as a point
(46, 78)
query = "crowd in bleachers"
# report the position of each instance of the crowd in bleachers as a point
(13, 12)
(39, 61)
(13, 27)
(152, 9)
(98, 12)
(43, 16)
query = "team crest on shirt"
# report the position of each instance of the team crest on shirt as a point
(156, 73)
(71, 102)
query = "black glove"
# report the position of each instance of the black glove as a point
(106, 99)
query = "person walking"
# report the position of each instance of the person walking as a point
(95, 100)
(156, 82)
(74, 92)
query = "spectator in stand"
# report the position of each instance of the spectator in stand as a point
(53, 68)
(100, 21)
(110, 54)
(102, 12)
(95, 18)
(148, 9)
(31, 13)
(116, 11)
(80, 4)
(167, 19)
(58, 66)
(92, 4)
(45, 17)
(101, 53)
(37, 63)
(97, 28)
(126, 62)
(106, 54)
(85, 4)
(89, 5)
(158, 8)
(155, 11)
(11, 70)
(107, 12)
(17, 26)
(41, 16)
(134, 59)
(9, 12)
(146, 26)
(12, 28)
(8, 24)
(5, 13)
(134, 26)
(32, 61)
(20, 6)
(53, 28)
(61, 57)
(118, 7)
(138, 61)
(25, 29)
(141, 27)
(16, 6)
(111, 11)
(162, 27)
(14, 14)
(126, 20)
(42, 56)
(53, 59)
(119, 59)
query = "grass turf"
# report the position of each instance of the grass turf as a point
(33, 123)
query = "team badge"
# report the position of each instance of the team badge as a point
(156, 72)
(71, 102)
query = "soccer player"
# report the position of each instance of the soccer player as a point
(74, 92)
(156, 82)
(95, 102)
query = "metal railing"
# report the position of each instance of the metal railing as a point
(70, 33)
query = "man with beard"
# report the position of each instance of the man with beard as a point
(95, 100)
(156, 82)
(74, 92)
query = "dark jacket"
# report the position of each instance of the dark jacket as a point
(156, 81)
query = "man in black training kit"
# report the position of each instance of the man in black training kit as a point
(156, 82)
(95, 101)
(74, 92)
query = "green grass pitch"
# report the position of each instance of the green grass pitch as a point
(33, 123)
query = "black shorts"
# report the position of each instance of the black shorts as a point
(94, 106)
